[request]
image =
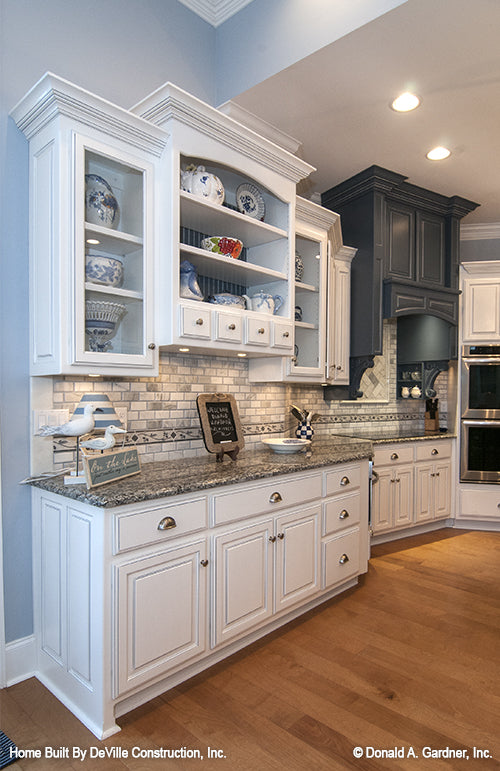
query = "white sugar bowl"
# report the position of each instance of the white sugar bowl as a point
(198, 181)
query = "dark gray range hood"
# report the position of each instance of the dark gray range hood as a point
(406, 265)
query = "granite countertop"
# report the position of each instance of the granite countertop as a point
(399, 436)
(162, 479)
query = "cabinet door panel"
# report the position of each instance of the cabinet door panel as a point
(382, 501)
(423, 491)
(442, 490)
(430, 249)
(161, 613)
(403, 492)
(401, 242)
(297, 557)
(243, 581)
(340, 558)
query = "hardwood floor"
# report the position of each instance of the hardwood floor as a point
(408, 659)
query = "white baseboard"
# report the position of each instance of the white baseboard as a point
(20, 660)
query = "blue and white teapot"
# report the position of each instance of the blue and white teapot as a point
(262, 302)
(198, 181)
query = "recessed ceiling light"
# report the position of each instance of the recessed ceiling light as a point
(405, 102)
(438, 154)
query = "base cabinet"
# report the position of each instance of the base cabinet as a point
(413, 484)
(132, 600)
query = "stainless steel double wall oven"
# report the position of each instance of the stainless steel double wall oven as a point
(480, 423)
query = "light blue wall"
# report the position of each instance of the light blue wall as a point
(121, 50)
(267, 36)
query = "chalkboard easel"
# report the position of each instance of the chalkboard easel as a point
(220, 424)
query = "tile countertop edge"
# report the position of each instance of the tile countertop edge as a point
(163, 479)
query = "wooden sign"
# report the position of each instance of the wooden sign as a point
(101, 468)
(220, 424)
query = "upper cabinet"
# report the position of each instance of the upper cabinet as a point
(408, 254)
(224, 277)
(321, 292)
(122, 210)
(481, 302)
(93, 171)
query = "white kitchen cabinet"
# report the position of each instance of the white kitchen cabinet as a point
(201, 136)
(161, 602)
(321, 305)
(481, 302)
(73, 134)
(132, 600)
(263, 569)
(413, 484)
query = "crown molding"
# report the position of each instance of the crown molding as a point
(260, 126)
(482, 267)
(170, 103)
(53, 96)
(215, 12)
(480, 232)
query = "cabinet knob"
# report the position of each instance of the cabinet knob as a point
(232, 326)
(204, 563)
(435, 452)
(261, 330)
(394, 456)
(344, 558)
(152, 346)
(199, 322)
(275, 498)
(343, 514)
(286, 334)
(345, 481)
(167, 523)
(272, 538)
(281, 536)
(339, 366)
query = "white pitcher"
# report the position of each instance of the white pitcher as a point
(262, 302)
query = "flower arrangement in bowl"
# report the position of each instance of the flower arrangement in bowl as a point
(101, 323)
(229, 247)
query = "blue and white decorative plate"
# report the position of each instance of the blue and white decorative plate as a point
(249, 201)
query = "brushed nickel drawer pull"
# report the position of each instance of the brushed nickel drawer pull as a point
(344, 558)
(261, 330)
(167, 523)
(343, 514)
(275, 498)
(152, 346)
(286, 334)
(232, 326)
(345, 481)
(394, 456)
(199, 322)
(204, 563)
(435, 452)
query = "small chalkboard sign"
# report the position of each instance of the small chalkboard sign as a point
(101, 468)
(220, 424)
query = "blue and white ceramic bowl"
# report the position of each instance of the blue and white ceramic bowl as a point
(104, 269)
(101, 206)
(225, 298)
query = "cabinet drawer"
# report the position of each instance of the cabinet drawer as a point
(392, 454)
(342, 480)
(433, 450)
(159, 524)
(480, 504)
(194, 322)
(341, 512)
(265, 498)
(282, 335)
(228, 327)
(258, 331)
(340, 558)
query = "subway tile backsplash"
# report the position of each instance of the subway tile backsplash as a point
(162, 418)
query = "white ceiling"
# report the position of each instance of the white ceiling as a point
(336, 101)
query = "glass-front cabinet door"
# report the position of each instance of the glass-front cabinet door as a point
(93, 171)
(113, 235)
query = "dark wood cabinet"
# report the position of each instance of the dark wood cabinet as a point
(407, 261)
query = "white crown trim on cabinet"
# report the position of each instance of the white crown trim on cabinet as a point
(480, 232)
(215, 11)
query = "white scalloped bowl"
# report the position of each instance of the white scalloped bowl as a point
(286, 446)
